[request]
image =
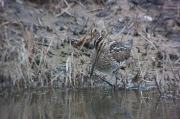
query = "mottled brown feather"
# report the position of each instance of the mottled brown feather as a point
(110, 57)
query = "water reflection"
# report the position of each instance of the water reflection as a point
(94, 103)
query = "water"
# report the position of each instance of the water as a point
(89, 103)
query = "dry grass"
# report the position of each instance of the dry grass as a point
(26, 58)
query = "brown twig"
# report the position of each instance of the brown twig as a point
(148, 40)
(84, 26)
(171, 67)
(157, 83)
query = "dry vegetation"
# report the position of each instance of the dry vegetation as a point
(52, 45)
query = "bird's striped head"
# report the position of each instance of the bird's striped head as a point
(99, 44)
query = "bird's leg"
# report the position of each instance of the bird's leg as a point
(115, 79)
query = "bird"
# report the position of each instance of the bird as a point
(109, 57)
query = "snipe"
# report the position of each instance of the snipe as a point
(109, 57)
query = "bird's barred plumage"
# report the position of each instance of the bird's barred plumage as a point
(109, 57)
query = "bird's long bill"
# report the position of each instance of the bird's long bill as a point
(99, 45)
(93, 66)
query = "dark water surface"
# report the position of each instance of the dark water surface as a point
(91, 103)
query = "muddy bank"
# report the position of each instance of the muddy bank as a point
(50, 44)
